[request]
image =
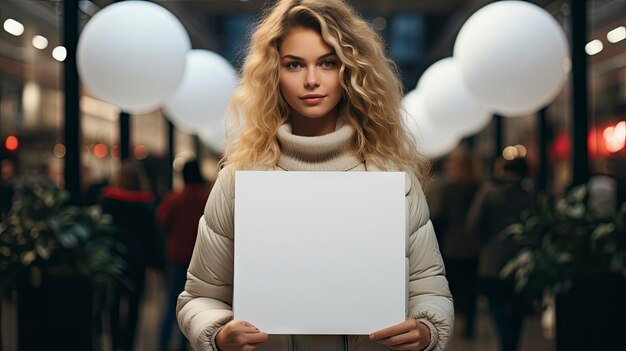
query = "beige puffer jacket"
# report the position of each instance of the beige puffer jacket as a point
(205, 305)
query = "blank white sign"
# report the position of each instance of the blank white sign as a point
(320, 252)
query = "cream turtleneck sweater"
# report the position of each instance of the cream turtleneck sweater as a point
(330, 152)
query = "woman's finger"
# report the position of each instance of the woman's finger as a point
(256, 338)
(397, 329)
(246, 327)
(409, 337)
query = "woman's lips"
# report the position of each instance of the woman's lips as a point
(312, 99)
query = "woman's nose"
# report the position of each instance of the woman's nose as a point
(312, 80)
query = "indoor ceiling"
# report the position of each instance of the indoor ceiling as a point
(20, 59)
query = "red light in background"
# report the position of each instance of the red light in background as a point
(100, 150)
(115, 152)
(11, 143)
(140, 152)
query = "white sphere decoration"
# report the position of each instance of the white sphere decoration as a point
(432, 140)
(514, 56)
(448, 102)
(132, 54)
(214, 135)
(205, 92)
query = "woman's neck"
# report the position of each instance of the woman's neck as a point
(306, 126)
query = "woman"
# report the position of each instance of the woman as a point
(497, 204)
(316, 94)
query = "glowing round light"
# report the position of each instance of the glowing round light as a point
(431, 139)
(11, 143)
(616, 35)
(140, 152)
(115, 152)
(512, 56)
(203, 95)
(509, 153)
(132, 54)
(521, 150)
(448, 102)
(59, 150)
(40, 42)
(615, 137)
(100, 150)
(13, 27)
(594, 47)
(59, 53)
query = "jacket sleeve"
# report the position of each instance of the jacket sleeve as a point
(430, 300)
(205, 305)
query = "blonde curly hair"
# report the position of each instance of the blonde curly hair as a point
(372, 92)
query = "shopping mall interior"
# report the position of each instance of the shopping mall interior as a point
(70, 118)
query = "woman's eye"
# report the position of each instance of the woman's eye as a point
(328, 64)
(293, 65)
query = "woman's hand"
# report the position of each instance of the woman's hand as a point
(239, 336)
(408, 335)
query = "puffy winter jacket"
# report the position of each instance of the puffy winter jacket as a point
(205, 305)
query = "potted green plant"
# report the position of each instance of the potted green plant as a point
(56, 257)
(568, 251)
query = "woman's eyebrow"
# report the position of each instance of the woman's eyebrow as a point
(294, 57)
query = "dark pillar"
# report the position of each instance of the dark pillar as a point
(124, 135)
(170, 155)
(124, 120)
(580, 157)
(498, 134)
(542, 179)
(72, 94)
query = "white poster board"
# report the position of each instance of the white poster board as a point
(320, 252)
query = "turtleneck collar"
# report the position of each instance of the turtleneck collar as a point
(330, 152)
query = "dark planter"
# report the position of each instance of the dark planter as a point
(591, 315)
(58, 315)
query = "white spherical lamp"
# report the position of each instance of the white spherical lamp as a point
(514, 57)
(448, 102)
(204, 94)
(214, 135)
(432, 140)
(132, 54)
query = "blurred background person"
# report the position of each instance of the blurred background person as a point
(606, 189)
(459, 248)
(91, 189)
(497, 204)
(130, 202)
(178, 215)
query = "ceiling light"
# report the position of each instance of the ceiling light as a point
(14, 27)
(510, 153)
(59, 53)
(40, 42)
(593, 47)
(521, 151)
(617, 34)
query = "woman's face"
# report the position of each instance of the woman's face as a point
(309, 75)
